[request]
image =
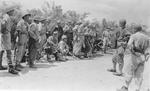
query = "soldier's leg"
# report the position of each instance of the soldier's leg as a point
(10, 64)
(121, 64)
(139, 76)
(1, 60)
(19, 55)
(32, 55)
(114, 65)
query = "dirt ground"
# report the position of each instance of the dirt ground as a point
(73, 75)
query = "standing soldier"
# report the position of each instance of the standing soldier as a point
(59, 29)
(42, 33)
(69, 33)
(33, 41)
(22, 28)
(6, 40)
(138, 45)
(106, 37)
(121, 31)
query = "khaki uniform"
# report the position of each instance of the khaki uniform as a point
(106, 36)
(63, 47)
(33, 43)
(22, 28)
(6, 39)
(138, 45)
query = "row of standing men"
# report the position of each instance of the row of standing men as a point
(32, 37)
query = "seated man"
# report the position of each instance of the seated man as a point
(63, 47)
(52, 47)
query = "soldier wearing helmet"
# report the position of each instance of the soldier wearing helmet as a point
(23, 37)
(6, 39)
(63, 47)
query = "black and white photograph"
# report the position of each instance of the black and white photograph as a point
(74, 45)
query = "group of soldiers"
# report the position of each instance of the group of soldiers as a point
(31, 38)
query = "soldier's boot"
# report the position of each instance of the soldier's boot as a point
(1, 58)
(114, 68)
(32, 65)
(123, 89)
(12, 70)
(120, 70)
(58, 57)
(18, 67)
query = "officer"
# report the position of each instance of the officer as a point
(33, 41)
(6, 39)
(23, 37)
(138, 45)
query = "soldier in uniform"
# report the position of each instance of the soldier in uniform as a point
(52, 47)
(69, 33)
(121, 32)
(63, 47)
(106, 37)
(33, 41)
(23, 37)
(59, 29)
(6, 40)
(42, 34)
(138, 45)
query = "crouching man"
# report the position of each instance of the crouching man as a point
(63, 47)
(52, 47)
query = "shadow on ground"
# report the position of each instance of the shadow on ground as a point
(27, 69)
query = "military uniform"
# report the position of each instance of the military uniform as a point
(6, 40)
(106, 37)
(52, 47)
(43, 39)
(33, 43)
(63, 47)
(23, 37)
(138, 45)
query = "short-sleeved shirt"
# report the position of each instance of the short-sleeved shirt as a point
(7, 20)
(139, 41)
(34, 33)
(63, 46)
(23, 27)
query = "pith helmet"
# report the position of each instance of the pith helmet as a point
(25, 13)
(9, 9)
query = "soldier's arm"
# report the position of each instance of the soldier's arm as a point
(32, 33)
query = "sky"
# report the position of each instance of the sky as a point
(137, 11)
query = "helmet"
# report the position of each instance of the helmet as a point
(122, 22)
(25, 13)
(9, 9)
